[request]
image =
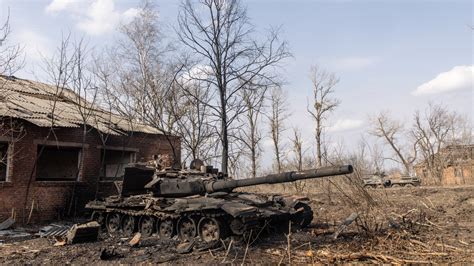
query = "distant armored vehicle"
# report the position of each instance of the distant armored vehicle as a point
(200, 202)
(378, 180)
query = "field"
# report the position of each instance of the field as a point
(397, 225)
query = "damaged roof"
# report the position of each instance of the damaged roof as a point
(46, 105)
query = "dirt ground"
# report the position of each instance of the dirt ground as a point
(397, 225)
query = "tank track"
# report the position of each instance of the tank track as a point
(209, 225)
(180, 228)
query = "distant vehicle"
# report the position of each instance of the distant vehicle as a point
(379, 180)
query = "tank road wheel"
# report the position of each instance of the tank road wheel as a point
(237, 227)
(166, 228)
(303, 216)
(186, 228)
(113, 223)
(99, 217)
(128, 225)
(147, 225)
(210, 229)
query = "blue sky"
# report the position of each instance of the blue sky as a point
(390, 55)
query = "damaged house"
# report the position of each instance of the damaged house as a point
(53, 158)
(454, 163)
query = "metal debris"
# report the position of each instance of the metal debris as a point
(345, 224)
(7, 223)
(80, 233)
(185, 247)
(54, 230)
(15, 233)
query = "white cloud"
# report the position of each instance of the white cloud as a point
(353, 62)
(94, 17)
(458, 78)
(130, 14)
(101, 17)
(345, 124)
(59, 5)
(196, 72)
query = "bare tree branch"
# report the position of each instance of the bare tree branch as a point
(219, 34)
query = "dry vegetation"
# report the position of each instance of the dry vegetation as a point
(397, 225)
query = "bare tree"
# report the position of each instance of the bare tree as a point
(58, 69)
(219, 34)
(436, 129)
(11, 55)
(193, 123)
(297, 142)
(236, 160)
(297, 149)
(11, 60)
(323, 104)
(392, 132)
(83, 85)
(141, 87)
(277, 117)
(250, 134)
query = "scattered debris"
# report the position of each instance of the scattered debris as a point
(201, 246)
(14, 233)
(400, 231)
(185, 247)
(60, 241)
(345, 224)
(7, 223)
(54, 230)
(109, 253)
(135, 240)
(80, 233)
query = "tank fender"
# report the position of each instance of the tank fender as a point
(291, 201)
(238, 209)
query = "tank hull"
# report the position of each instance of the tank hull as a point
(210, 218)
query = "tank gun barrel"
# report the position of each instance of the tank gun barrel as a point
(183, 188)
(220, 185)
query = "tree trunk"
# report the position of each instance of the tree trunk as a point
(318, 143)
(278, 160)
(225, 141)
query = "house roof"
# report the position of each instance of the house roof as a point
(46, 105)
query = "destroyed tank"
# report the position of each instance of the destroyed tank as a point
(201, 203)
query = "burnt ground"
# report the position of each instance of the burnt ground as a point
(398, 225)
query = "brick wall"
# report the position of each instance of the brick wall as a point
(461, 174)
(52, 199)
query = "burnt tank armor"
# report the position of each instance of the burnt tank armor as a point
(201, 202)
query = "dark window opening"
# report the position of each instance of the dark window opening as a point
(57, 163)
(4, 161)
(114, 163)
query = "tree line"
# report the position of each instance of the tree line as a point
(218, 85)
